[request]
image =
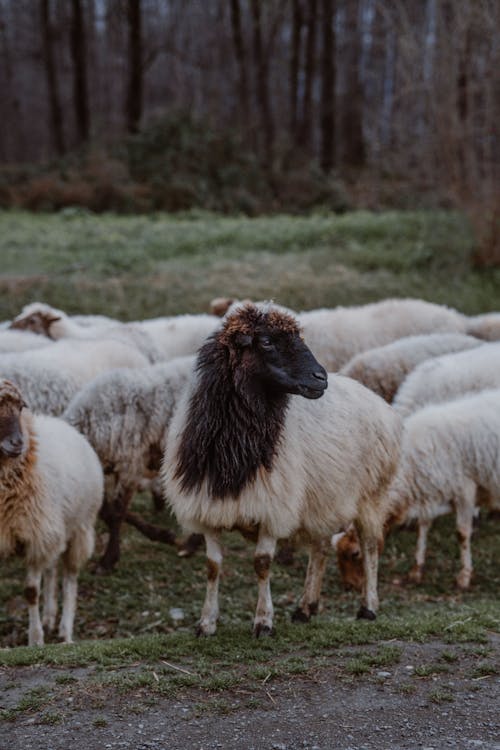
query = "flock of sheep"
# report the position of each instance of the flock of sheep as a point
(249, 434)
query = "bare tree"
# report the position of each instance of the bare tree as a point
(305, 134)
(239, 51)
(56, 117)
(353, 153)
(261, 63)
(80, 90)
(295, 47)
(133, 104)
(327, 116)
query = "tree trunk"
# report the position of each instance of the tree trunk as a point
(327, 117)
(305, 135)
(262, 82)
(80, 89)
(297, 22)
(239, 51)
(56, 119)
(352, 141)
(133, 104)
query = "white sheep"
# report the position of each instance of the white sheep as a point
(384, 368)
(46, 389)
(450, 460)
(179, 335)
(51, 487)
(18, 341)
(241, 454)
(56, 325)
(124, 414)
(486, 326)
(448, 377)
(82, 360)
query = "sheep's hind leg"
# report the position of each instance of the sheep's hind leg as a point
(264, 554)
(416, 573)
(309, 601)
(210, 611)
(465, 509)
(32, 595)
(369, 550)
(50, 597)
(113, 514)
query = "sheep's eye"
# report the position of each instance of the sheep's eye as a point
(32, 320)
(266, 343)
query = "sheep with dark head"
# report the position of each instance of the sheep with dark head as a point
(241, 454)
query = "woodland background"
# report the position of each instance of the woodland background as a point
(252, 106)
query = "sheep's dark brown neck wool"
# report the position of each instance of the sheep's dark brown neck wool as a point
(233, 423)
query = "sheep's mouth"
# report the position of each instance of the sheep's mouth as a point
(312, 392)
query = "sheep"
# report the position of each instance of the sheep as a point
(450, 459)
(51, 487)
(448, 377)
(55, 324)
(486, 326)
(123, 414)
(81, 360)
(18, 341)
(179, 335)
(242, 454)
(338, 334)
(47, 389)
(384, 368)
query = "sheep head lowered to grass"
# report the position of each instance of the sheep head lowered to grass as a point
(246, 370)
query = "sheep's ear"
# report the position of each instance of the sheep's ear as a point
(53, 319)
(242, 340)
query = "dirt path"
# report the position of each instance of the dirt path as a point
(437, 696)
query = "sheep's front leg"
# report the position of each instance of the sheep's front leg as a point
(465, 519)
(369, 550)
(264, 553)
(416, 573)
(70, 592)
(113, 514)
(50, 597)
(210, 611)
(309, 601)
(32, 595)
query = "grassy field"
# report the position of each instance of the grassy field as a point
(135, 267)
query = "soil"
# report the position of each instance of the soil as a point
(387, 708)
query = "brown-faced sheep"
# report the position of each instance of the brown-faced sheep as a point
(51, 487)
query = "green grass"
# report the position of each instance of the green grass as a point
(134, 267)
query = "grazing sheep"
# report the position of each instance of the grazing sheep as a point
(450, 459)
(336, 335)
(124, 414)
(51, 487)
(448, 377)
(241, 454)
(46, 389)
(486, 327)
(18, 341)
(82, 360)
(384, 368)
(55, 324)
(179, 335)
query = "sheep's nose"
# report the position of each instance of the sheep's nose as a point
(320, 375)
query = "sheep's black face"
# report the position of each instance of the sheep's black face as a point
(285, 364)
(268, 354)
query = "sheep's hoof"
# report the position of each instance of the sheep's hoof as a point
(416, 574)
(261, 630)
(203, 632)
(366, 614)
(298, 615)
